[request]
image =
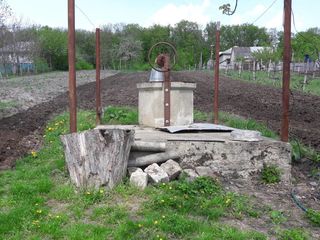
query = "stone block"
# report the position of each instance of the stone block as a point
(132, 170)
(156, 174)
(172, 168)
(139, 179)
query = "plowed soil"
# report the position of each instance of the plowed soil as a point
(22, 132)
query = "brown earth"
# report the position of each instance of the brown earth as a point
(262, 103)
(22, 132)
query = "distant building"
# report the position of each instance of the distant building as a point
(231, 57)
(16, 57)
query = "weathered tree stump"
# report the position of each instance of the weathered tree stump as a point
(98, 158)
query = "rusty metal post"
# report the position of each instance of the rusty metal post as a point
(286, 71)
(167, 91)
(98, 82)
(72, 67)
(216, 76)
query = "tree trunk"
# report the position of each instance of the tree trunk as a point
(96, 157)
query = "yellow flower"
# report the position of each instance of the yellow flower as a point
(34, 154)
(163, 216)
(162, 200)
(155, 222)
(101, 191)
(140, 225)
(88, 193)
(57, 216)
(39, 211)
(228, 200)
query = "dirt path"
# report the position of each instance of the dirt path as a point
(248, 100)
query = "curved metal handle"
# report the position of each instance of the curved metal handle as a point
(174, 56)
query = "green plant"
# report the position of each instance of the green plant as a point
(293, 234)
(314, 216)
(277, 217)
(83, 65)
(120, 115)
(270, 174)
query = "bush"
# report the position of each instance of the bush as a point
(83, 65)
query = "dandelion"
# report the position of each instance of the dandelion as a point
(140, 225)
(163, 216)
(155, 222)
(162, 200)
(57, 216)
(36, 204)
(228, 200)
(88, 193)
(101, 191)
(39, 211)
(50, 129)
(34, 154)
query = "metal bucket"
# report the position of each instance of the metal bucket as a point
(156, 76)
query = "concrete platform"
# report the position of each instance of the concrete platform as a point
(234, 160)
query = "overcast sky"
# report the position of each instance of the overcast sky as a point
(148, 12)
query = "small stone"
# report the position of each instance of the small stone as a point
(313, 184)
(156, 174)
(190, 174)
(172, 168)
(139, 179)
(133, 169)
(205, 172)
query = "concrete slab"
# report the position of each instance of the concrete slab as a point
(217, 150)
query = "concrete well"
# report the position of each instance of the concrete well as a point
(151, 103)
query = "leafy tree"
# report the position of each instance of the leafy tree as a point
(53, 44)
(245, 35)
(188, 39)
(307, 43)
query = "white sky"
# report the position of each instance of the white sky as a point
(147, 12)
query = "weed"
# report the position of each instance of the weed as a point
(120, 115)
(270, 174)
(314, 216)
(277, 217)
(294, 234)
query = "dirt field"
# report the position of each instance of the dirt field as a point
(22, 132)
(261, 103)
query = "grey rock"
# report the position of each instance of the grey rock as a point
(156, 174)
(172, 168)
(205, 172)
(190, 174)
(139, 179)
(133, 169)
(313, 184)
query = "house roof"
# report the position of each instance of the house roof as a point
(244, 52)
(226, 52)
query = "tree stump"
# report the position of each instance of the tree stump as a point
(98, 157)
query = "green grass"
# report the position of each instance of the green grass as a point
(37, 200)
(312, 87)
